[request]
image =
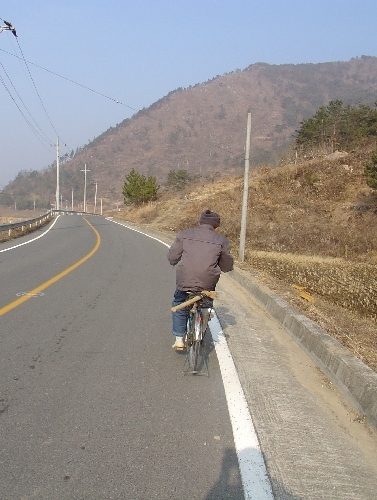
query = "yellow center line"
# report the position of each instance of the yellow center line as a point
(54, 279)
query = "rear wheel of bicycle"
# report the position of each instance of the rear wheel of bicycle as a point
(193, 356)
(194, 347)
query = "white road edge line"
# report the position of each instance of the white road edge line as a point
(137, 231)
(255, 480)
(29, 241)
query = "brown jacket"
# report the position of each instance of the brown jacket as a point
(201, 254)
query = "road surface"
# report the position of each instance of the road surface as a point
(94, 403)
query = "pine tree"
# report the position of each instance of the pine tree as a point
(178, 179)
(342, 127)
(139, 189)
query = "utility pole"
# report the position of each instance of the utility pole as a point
(57, 176)
(245, 191)
(85, 170)
(95, 197)
(72, 199)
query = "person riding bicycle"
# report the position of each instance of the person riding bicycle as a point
(201, 253)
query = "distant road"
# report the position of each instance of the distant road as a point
(95, 404)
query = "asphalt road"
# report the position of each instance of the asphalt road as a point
(314, 443)
(94, 401)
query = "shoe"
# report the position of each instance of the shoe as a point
(178, 344)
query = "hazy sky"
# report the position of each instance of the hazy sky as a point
(138, 51)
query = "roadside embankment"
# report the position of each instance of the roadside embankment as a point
(356, 381)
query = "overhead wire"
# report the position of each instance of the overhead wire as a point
(95, 91)
(21, 63)
(22, 113)
(36, 90)
(225, 149)
(45, 138)
(41, 135)
(72, 81)
(87, 88)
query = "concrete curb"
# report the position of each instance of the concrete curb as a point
(356, 381)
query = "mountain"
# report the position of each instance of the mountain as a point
(202, 128)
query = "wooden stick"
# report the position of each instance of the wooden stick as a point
(212, 295)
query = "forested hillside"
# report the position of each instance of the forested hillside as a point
(202, 129)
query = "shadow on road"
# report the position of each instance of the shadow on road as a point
(229, 484)
(226, 318)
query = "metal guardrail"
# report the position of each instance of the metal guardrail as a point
(38, 220)
(23, 223)
(78, 212)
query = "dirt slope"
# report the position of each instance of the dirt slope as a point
(311, 224)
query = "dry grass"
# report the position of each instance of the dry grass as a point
(311, 224)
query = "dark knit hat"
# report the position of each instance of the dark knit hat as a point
(210, 218)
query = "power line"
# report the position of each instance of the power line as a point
(225, 149)
(8, 26)
(14, 88)
(87, 88)
(99, 93)
(36, 90)
(72, 81)
(20, 110)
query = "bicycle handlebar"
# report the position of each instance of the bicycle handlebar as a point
(212, 295)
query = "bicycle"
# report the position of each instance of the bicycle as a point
(197, 320)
